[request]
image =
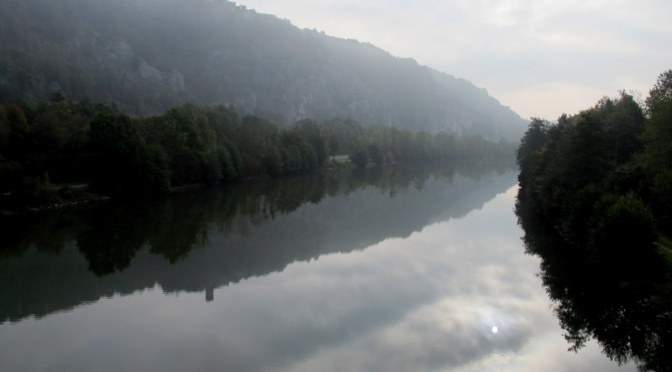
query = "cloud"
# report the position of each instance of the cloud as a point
(506, 46)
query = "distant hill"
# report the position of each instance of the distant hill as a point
(145, 56)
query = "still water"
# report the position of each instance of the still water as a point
(383, 270)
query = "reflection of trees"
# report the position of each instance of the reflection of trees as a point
(47, 232)
(220, 235)
(109, 235)
(625, 304)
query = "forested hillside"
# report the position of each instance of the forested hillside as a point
(145, 56)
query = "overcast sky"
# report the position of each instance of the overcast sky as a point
(540, 57)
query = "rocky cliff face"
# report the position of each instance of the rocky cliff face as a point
(147, 55)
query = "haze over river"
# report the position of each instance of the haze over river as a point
(412, 269)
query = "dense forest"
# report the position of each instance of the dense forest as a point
(595, 201)
(49, 151)
(146, 56)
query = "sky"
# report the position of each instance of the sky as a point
(542, 58)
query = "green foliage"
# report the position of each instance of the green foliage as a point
(314, 135)
(657, 157)
(600, 146)
(121, 156)
(156, 172)
(623, 231)
(229, 158)
(257, 136)
(624, 125)
(359, 155)
(123, 164)
(594, 200)
(382, 145)
(297, 156)
(533, 139)
(375, 154)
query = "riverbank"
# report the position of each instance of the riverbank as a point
(50, 197)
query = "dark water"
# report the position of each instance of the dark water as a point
(413, 269)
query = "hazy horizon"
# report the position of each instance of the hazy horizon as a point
(541, 58)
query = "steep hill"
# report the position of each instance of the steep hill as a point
(147, 55)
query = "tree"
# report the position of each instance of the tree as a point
(658, 147)
(375, 154)
(312, 133)
(297, 155)
(359, 155)
(624, 233)
(534, 137)
(333, 144)
(623, 125)
(123, 164)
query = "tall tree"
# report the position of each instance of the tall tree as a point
(658, 144)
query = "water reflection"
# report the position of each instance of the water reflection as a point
(625, 303)
(359, 281)
(222, 235)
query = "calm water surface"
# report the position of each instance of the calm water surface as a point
(385, 270)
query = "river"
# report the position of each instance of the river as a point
(396, 269)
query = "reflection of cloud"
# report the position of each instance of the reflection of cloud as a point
(546, 354)
(435, 336)
(468, 290)
(426, 302)
(400, 304)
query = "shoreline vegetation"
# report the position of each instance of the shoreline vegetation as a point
(63, 153)
(595, 202)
